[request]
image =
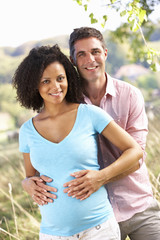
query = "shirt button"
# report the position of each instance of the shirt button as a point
(98, 227)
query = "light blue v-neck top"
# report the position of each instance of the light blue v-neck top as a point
(67, 216)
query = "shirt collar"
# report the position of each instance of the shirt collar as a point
(110, 89)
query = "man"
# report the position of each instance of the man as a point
(131, 195)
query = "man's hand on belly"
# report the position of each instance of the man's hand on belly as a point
(85, 183)
(40, 192)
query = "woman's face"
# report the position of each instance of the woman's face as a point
(53, 85)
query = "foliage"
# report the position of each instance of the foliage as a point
(135, 13)
(8, 65)
(147, 82)
(116, 55)
(9, 104)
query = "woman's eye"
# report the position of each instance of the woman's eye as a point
(45, 81)
(60, 79)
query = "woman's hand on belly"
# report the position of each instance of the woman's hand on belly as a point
(85, 183)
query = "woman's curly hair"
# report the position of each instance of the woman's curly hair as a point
(28, 74)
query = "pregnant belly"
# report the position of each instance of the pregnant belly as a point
(68, 213)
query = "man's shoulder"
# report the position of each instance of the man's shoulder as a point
(120, 84)
(125, 87)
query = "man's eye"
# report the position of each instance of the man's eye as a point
(80, 54)
(96, 51)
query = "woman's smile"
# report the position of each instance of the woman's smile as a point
(53, 84)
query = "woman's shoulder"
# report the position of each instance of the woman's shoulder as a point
(91, 108)
(26, 125)
(96, 112)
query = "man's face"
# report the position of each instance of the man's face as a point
(89, 58)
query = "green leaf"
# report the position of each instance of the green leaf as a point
(105, 17)
(91, 15)
(153, 67)
(123, 13)
(142, 16)
(93, 20)
(134, 25)
(79, 2)
(85, 7)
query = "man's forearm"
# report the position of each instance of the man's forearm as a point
(126, 173)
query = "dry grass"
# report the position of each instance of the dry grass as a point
(19, 216)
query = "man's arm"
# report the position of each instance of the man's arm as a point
(126, 173)
(40, 192)
(137, 125)
(35, 186)
(88, 181)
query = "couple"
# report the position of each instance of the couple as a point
(61, 142)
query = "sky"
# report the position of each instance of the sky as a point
(26, 20)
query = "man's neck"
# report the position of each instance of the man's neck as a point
(95, 90)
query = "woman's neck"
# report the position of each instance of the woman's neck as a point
(52, 110)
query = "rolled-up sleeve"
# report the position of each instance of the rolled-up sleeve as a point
(137, 125)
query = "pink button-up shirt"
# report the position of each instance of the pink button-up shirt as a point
(125, 103)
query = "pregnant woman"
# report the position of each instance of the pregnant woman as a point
(62, 139)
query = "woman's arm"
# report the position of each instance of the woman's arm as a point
(88, 181)
(29, 169)
(131, 152)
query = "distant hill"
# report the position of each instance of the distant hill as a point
(26, 47)
(117, 53)
(11, 57)
(62, 41)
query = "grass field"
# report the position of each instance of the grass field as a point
(19, 216)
